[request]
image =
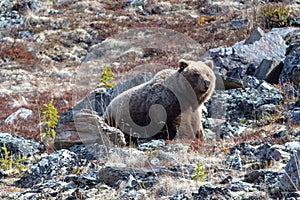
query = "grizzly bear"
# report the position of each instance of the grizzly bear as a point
(167, 106)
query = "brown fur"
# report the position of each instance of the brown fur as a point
(168, 105)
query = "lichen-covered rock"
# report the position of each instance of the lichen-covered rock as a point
(258, 177)
(85, 127)
(207, 192)
(291, 68)
(234, 161)
(241, 104)
(10, 12)
(242, 59)
(116, 177)
(20, 113)
(289, 181)
(60, 162)
(18, 145)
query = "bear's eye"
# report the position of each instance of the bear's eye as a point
(196, 75)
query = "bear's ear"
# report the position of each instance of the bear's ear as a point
(209, 63)
(182, 64)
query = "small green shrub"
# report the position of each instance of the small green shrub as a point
(50, 119)
(107, 77)
(276, 15)
(200, 173)
(8, 162)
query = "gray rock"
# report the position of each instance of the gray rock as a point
(245, 149)
(132, 178)
(241, 106)
(294, 115)
(20, 145)
(292, 146)
(58, 163)
(3, 174)
(154, 144)
(96, 100)
(10, 12)
(243, 58)
(85, 127)
(207, 192)
(132, 194)
(262, 178)
(291, 68)
(23, 113)
(295, 21)
(286, 33)
(289, 181)
(180, 197)
(239, 23)
(267, 153)
(236, 186)
(99, 98)
(269, 70)
(256, 35)
(11, 19)
(234, 161)
(126, 157)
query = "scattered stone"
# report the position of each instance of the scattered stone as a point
(207, 192)
(58, 163)
(153, 144)
(3, 174)
(239, 23)
(245, 149)
(23, 113)
(19, 145)
(241, 106)
(292, 146)
(180, 197)
(295, 21)
(294, 115)
(262, 178)
(11, 12)
(226, 180)
(234, 161)
(236, 186)
(132, 178)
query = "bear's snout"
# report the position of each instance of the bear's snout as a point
(206, 84)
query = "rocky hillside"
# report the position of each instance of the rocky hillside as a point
(59, 49)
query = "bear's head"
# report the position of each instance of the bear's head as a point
(199, 76)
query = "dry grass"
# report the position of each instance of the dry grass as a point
(30, 127)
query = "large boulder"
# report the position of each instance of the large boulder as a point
(289, 181)
(258, 55)
(291, 68)
(85, 126)
(18, 145)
